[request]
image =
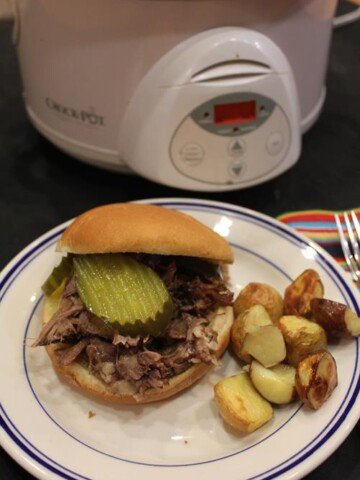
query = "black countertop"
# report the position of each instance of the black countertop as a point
(41, 187)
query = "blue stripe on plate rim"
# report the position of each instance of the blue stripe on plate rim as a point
(253, 217)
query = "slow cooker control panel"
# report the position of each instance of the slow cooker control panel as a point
(232, 138)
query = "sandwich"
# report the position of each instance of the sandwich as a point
(139, 307)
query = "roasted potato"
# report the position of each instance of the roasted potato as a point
(240, 405)
(245, 323)
(276, 384)
(265, 344)
(260, 294)
(316, 378)
(300, 292)
(301, 336)
(337, 319)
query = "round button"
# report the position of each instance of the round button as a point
(236, 169)
(274, 143)
(236, 148)
(192, 153)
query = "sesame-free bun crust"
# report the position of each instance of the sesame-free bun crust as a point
(78, 375)
(143, 228)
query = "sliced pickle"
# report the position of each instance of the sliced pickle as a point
(58, 276)
(53, 301)
(123, 292)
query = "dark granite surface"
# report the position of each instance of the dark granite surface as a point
(40, 187)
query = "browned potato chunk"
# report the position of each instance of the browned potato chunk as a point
(245, 323)
(276, 384)
(337, 319)
(260, 294)
(300, 292)
(266, 345)
(316, 378)
(240, 405)
(301, 336)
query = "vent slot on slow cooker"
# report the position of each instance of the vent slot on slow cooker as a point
(231, 70)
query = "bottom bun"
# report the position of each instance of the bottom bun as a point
(122, 391)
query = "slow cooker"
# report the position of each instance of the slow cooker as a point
(208, 95)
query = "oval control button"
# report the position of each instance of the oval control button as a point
(192, 153)
(274, 143)
(236, 169)
(236, 148)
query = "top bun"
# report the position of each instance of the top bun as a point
(143, 228)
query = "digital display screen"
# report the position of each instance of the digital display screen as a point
(235, 112)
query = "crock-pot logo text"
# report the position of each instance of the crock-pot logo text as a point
(87, 117)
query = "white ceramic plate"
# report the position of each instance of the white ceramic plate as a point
(45, 424)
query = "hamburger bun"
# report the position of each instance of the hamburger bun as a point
(122, 392)
(143, 228)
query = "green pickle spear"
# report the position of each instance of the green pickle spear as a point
(58, 276)
(123, 292)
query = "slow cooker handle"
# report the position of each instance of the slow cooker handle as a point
(7, 10)
(349, 17)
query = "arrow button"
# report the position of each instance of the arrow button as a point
(236, 148)
(236, 169)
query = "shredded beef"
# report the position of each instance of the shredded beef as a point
(100, 351)
(177, 329)
(177, 359)
(89, 325)
(102, 359)
(148, 358)
(61, 325)
(202, 350)
(70, 288)
(146, 362)
(129, 367)
(169, 273)
(154, 380)
(72, 322)
(128, 342)
(69, 354)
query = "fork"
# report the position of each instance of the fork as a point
(350, 242)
